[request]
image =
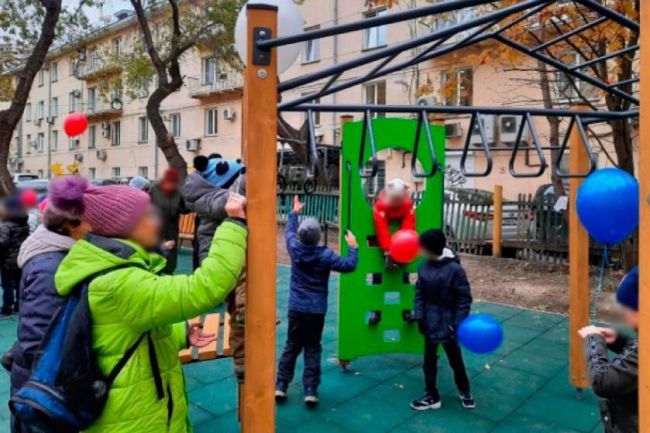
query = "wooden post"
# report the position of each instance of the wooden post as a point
(497, 222)
(644, 226)
(578, 264)
(260, 153)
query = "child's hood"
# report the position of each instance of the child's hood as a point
(42, 241)
(448, 256)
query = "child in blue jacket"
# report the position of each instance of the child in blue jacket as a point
(311, 265)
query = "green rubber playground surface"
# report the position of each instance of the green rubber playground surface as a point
(521, 389)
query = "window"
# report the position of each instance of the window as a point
(375, 37)
(92, 137)
(73, 98)
(311, 48)
(92, 173)
(73, 144)
(377, 183)
(143, 129)
(116, 94)
(92, 99)
(41, 110)
(93, 59)
(375, 94)
(72, 66)
(117, 46)
(211, 121)
(28, 137)
(40, 173)
(54, 72)
(40, 142)
(175, 120)
(28, 112)
(143, 171)
(54, 107)
(569, 88)
(116, 172)
(41, 77)
(208, 71)
(55, 141)
(458, 87)
(115, 133)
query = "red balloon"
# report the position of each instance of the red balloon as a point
(75, 124)
(404, 246)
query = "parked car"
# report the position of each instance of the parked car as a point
(40, 186)
(19, 177)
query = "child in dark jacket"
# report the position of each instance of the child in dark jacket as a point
(13, 232)
(442, 301)
(616, 381)
(311, 265)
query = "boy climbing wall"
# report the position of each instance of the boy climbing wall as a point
(393, 204)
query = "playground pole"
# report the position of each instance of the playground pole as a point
(259, 149)
(497, 222)
(644, 225)
(578, 263)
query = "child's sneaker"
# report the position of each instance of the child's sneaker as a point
(311, 396)
(427, 402)
(281, 391)
(467, 400)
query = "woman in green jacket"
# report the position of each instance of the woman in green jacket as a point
(128, 297)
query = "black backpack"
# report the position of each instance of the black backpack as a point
(67, 391)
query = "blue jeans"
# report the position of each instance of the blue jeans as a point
(305, 333)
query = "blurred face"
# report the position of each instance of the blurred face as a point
(147, 232)
(631, 317)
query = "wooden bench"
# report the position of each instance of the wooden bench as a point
(217, 324)
(186, 225)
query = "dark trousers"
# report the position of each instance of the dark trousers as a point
(305, 333)
(430, 367)
(10, 284)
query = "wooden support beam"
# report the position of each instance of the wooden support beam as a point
(260, 153)
(578, 264)
(644, 225)
(497, 222)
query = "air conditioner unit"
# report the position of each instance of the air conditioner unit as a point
(76, 93)
(428, 100)
(102, 155)
(79, 157)
(229, 114)
(490, 127)
(51, 120)
(509, 128)
(193, 144)
(106, 132)
(319, 132)
(75, 144)
(106, 125)
(38, 121)
(453, 130)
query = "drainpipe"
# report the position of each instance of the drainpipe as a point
(49, 124)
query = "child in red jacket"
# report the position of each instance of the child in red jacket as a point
(393, 204)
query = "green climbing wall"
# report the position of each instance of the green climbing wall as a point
(358, 296)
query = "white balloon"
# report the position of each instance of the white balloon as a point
(290, 22)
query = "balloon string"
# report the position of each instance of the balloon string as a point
(599, 286)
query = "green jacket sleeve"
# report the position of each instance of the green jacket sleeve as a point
(146, 300)
(180, 335)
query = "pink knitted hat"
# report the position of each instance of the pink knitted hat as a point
(111, 211)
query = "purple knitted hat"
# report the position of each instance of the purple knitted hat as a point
(111, 211)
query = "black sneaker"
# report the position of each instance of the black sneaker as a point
(467, 400)
(427, 402)
(311, 396)
(281, 391)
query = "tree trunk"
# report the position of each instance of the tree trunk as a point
(10, 117)
(164, 139)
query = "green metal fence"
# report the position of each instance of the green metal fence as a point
(323, 205)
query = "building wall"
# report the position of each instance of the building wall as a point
(492, 85)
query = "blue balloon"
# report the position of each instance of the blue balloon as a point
(608, 205)
(480, 333)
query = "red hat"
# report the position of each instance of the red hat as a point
(28, 199)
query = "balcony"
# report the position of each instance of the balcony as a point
(231, 84)
(103, 110)
(97, 69)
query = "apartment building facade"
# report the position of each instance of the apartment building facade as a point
(205, 115)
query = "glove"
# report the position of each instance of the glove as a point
(408, 316)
